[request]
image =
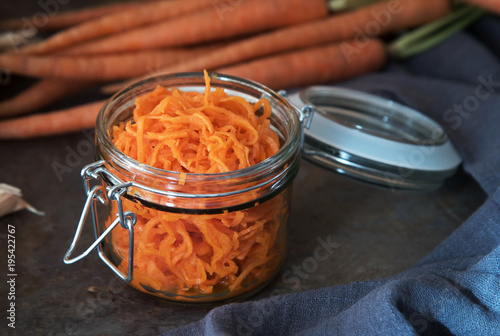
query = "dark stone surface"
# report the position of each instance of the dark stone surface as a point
(377, 233)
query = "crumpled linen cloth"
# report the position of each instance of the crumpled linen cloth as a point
(455, 290)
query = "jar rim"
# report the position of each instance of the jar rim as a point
(286, 150)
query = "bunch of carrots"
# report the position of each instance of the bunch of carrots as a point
(279, 43)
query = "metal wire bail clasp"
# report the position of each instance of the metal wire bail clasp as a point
(305, 112)
(126, 219)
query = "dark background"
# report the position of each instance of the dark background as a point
(379, 232)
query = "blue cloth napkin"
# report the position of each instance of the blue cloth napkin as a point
(455, 290)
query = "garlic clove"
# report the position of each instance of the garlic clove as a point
(11, 201)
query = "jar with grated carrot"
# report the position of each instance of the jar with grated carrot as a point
(208, 163)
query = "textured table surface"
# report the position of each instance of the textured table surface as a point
(375, 233)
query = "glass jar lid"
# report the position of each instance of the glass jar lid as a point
(375, 140)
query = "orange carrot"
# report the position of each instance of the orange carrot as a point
(117, 22)
(68, 18)
(491, 5)
(39, 95)
(52, 123)
(247, 16)
(304, 67)
(102, 67)
(316, 65)
(330, 29)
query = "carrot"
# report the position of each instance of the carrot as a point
(67, 19)
(331, 29)
(316, 65)
(491, 5)
(39, 95)
(101, 67)
(52, 123)
(248, 16)
(117, 22)
(304, 67)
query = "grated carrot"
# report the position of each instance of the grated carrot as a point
(197, 133)
(192, 256)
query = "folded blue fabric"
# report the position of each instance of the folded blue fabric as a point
(455, 290)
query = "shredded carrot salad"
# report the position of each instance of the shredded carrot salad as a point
(192, 256)
(193, 132)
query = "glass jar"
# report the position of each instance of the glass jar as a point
(213, 237)
(191, 237)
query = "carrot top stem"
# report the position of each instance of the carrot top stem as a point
(344, 5)
(434, 33)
